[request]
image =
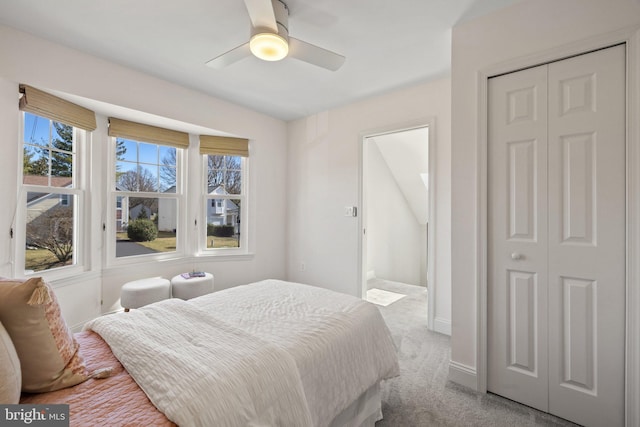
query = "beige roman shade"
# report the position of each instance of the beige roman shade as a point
(50, 106)
(224, 145)
(147, 133)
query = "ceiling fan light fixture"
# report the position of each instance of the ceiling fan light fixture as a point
(269, 46)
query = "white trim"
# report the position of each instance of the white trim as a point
(111, 258)
(432, 286)
(463, 375)
(632, 386)
(78, 279)
(201, 249)
(81, 209)
(429, 122)
(630, 36)
(442, 325)
(482, 240)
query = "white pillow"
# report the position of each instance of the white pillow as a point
(9, 370)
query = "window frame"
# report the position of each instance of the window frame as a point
(111, 206)
(205, 199)
(81, 159)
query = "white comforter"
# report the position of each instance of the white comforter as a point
(200, 371)
(333, 347)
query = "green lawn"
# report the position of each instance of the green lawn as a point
(222, 242)
(166, 241)
(41, 259)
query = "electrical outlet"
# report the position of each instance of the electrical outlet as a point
(303, 266)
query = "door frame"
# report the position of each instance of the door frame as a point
(631, 38)
(430, 123)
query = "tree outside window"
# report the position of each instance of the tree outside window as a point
(224, 189)
(48, 176)
(147, 194)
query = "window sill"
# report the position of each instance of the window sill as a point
(221, 255)
(65, 277)
(216, 256)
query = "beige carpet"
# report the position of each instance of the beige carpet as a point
(422, 395)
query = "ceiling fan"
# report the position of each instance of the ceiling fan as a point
(270, 39)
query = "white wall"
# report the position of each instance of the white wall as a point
(323, 170)
(393, 232)
(520, 35)
(37, 62)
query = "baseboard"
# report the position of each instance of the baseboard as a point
(464, 375)
(442, 326)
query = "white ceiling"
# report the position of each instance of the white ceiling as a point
(388, 44)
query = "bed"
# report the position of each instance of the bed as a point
(268, 353)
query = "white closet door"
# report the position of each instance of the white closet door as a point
(556, 278)
(587, 237)
(517, 204)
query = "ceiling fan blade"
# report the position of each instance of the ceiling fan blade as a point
(228, 58)
(261, 14)
(315, 55)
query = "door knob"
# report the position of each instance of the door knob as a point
(516, 256)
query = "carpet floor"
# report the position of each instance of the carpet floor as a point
(421, 395)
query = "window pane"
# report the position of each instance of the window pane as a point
(233, 181)
(126, 150)
(168, 155)
(167, 179)
(127, 180)
(214, 169)
(148, 178)
(47, 156)
(145, 225)
(62, 137)
(126, 174)
(49, 231)
(148, 153)
(35, 166)
(153, 171)
(36, 130)
(61, 169)
(223, 223)
(224, 175)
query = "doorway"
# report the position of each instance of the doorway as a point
(397, 177)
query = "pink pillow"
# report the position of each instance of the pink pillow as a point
(47, 350)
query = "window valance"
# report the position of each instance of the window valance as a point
(54, 108)
(147, 133)
(224, 145)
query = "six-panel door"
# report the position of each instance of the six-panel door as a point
(556, 279)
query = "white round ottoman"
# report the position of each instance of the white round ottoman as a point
(144, 291)
(187, 288)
